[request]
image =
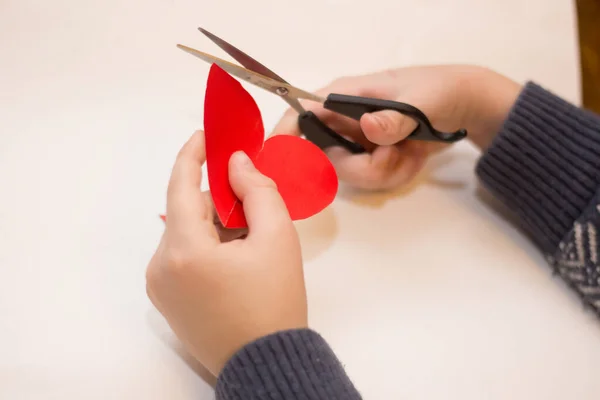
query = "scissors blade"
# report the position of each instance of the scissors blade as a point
(253, 65)
(241, 57)
(284, 90)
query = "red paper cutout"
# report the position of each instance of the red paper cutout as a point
(305, 177)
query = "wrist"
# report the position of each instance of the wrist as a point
(490, 97)
(295, 363)
(245, 338)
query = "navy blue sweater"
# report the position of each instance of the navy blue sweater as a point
(544, 165)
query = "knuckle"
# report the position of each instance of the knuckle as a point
(385, 123)
(150, 292)
(342, 81)
(178, 261)
(393, 128)
(264, 182)
(154, 285)
(153, 270)
(281, 228)
(398, 124)
(151, 279)
(151, 273)
(391, 73)
(392, 123)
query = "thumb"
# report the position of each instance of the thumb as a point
(387, 127)
(264, 207)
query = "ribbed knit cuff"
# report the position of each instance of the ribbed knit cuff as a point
(295, 364)
(545, 163)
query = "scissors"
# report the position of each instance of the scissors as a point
(310, 125)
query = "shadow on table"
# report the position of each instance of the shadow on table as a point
(376, 199)
(502, 211)
(198, 368)
(171, 341)
(317, 233)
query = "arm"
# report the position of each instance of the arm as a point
(295, 364)
(545, 166)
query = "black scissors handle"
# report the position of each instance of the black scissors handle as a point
(354, 107)
(323, 136)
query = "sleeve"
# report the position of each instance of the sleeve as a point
(295, 364)
(544, 165)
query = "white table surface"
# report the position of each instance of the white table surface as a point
(426, 294)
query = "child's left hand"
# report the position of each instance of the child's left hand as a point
(217, 296)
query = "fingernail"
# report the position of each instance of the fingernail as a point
(241, 160)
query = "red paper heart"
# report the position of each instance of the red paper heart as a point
(304, 175)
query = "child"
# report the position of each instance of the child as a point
(240, 306)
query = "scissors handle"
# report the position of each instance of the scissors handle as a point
(323, 136)
(354, 107)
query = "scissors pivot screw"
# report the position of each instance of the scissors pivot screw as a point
(282, 91)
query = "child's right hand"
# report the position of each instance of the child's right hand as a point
(452, 97)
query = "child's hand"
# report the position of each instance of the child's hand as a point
(217, 297)
(452, 97)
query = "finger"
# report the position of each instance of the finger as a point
(386, 168)
(186, 208)
(265, 210)
(387, 127)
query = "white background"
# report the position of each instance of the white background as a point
(427, 293)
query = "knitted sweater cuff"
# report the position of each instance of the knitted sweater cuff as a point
(295, 364)
(544, 164)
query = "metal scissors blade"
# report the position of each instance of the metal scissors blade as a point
(241, 57)
(253, 65)
(284, 90)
